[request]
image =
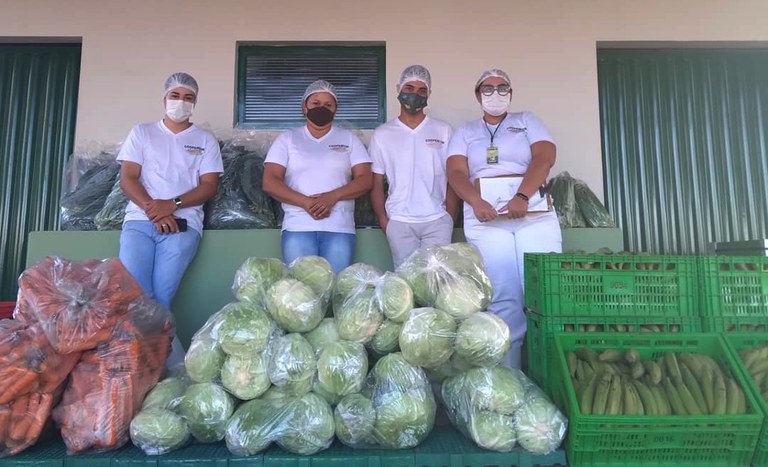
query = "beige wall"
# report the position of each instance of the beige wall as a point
(547, 46)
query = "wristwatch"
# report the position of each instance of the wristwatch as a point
(177, 200)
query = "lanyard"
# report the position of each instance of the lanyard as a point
(493, 135)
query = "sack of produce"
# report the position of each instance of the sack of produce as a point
(87, 182)
(499, 408)
(76, 303)
(561, 188)
(108, 385)
(111, 215)
(591, 208)
(395, 409)
(450, 277)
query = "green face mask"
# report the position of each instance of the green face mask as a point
(412, 102)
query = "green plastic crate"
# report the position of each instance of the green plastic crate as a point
(734, 290)
(540, 336)
(611, 285)
(622, 440)
(739, 342)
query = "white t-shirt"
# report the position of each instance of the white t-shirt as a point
(413, 160)
(513, 138)
(314, 166)
(171, 165)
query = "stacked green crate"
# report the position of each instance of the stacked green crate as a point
(617, 292)
(628, 440)
(734, 293)
(758, 367)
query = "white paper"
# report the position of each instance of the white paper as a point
(499, 190)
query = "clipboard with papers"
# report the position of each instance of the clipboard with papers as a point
(497, 191)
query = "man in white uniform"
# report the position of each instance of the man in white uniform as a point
(169, 168)
(411, 152)
(504, 143)
(316, 171)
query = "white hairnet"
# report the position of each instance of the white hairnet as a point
(493, 72)
(415, 73)
(180, 80)
(320, 85)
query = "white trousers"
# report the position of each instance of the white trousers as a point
(502, 243)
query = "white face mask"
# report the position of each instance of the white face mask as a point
(495, 104)
(178, 110)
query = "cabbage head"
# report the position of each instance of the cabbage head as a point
(255, 276)
(342, 367)
(393, 373)
(292, 364)
(387, 338)
(403, 419)
(425, 273)
(358, 317)
(253, 427)
(492, 430)
(206, 407)
(540, 426)
(354, 418)
(460, 297)
(166, 394)
(483, 339)
(157, 431)
(203, 360)
(294, 306)
(466, 251)
(498, 389)
(243, 328)
(308, 425)
(316, 273)
(427, 337)
(325, 332)
(245, 376)
(395, 297)
(356, 277)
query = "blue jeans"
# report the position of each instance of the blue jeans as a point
(337, 248)
(157, 261)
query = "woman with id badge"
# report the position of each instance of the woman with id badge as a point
(516, 149)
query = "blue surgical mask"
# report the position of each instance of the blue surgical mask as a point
(412, 102)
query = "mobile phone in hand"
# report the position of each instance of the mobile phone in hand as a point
(182, 223)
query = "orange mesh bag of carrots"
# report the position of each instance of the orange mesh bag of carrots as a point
(77, 303)
(28, 362)
(108, 385)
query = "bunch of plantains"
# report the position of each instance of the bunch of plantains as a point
(756, 361)
(615, 382)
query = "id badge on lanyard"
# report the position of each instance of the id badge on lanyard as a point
(492, 154)
(492, 151)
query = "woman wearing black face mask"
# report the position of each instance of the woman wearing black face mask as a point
(316, 172)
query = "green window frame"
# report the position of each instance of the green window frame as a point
(271, 79)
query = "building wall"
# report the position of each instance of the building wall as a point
(548, 47)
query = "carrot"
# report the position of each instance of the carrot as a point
(5, 421)
(25, 381)
(19, 429)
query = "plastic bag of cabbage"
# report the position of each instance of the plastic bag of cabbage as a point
(395, 409)
(177, 409)
(499, 408)
(230, 348)
(299, 424)
(369, 306)
(450, 277)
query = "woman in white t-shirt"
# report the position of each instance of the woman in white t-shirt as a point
(316, 172)
(504, 143)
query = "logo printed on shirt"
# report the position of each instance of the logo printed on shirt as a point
(434, 143)
(194, 150)
(339, 147)
(514, 129)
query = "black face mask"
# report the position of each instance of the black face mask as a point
(412, 102)
(320, 116)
